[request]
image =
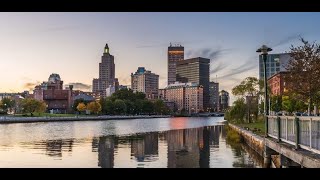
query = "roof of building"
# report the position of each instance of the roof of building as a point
(179, 85)
(196, 59)
(281, 72)
(85, 97)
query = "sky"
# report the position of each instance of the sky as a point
(34, 45)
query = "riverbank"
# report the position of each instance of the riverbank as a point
(10, 119)
(253, 140)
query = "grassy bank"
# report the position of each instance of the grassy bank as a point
(256, 127)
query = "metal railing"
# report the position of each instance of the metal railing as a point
(303, 132)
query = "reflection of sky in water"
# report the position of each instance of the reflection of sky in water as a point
(176, 142)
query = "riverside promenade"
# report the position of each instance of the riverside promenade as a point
(12, 119)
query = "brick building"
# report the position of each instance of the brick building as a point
(52, 93)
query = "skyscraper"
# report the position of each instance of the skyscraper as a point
(196, 70)
(223, 100)
(106, 73)
(175, 54)
(214, 96)
(275, 63)
(146, 82)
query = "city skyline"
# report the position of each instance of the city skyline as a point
(34, 45)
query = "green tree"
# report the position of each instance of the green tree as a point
(103, 103)
(109, 106)
(160, 107)
(303, 68)
(130, 107)
(147, 107)
(139, 106)
(291, 104)
(7, 104)
(30, 105)
(237, 112)
(120, 106)
(94, 107)
(140, 95)
(276, 103)
(249, 89)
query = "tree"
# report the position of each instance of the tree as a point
(119, 106)
(249, 89)
(140, 95)
(81, 107)
(237, 111)
(303, 68)
(7, 104)
(76, 103)
(276, 103)
(147, 107)
(109, 106)
(103, 103)
(291, 104)
(31, 106)
(94, 107)
(139, 106)
(160, 107)
(42, 107)
(130, 107)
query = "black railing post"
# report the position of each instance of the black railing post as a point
(279, 128)
(297, 132)
(266, 125)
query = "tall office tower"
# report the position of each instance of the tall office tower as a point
(196, 70)
(275, 63)
(106, 73)
(214, 96)
(223, 100)
(146, 82)
(175, 54)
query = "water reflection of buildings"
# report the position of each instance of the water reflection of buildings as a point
(106, 148)
(145, 147)
(190, 148)
(53, 148)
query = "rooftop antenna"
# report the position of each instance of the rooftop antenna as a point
(170, 44)
(216, 78)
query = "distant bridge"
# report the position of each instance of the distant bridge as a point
(209, 114)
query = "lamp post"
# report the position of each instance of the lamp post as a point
(264, 52)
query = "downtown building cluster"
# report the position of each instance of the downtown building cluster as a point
(189, 88)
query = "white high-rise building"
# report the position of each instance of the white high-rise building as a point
(146, 82)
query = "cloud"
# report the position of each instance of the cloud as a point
(124, 79)
(207, 53)
(246, 66)
(217, 68)
(287, 39)
(80, 86)
(30, 85)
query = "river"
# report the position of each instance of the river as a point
(197, 142)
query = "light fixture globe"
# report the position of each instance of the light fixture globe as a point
(264, 49)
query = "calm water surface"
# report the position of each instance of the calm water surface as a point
(142, 143)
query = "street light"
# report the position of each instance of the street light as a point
(264, 52)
